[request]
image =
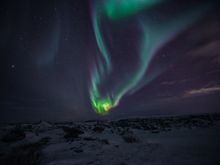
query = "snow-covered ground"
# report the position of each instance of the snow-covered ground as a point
(187, 140)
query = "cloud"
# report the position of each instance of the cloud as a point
(211, 50)
(176, 82)
(205, 38)
(201, 91)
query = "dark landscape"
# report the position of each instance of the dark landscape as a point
(177, 140)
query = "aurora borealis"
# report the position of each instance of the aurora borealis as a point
(108, 59)
(115, 9)
(153, 34)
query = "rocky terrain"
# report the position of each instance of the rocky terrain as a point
(177, 140)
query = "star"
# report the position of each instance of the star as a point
(13, 66)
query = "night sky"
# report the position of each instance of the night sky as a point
(87, 59)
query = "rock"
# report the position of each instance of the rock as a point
(155, 131)
(43, 125)
(72, 133)
(26, 154)
(89, 139)
(98, 129)
(104, 141)
(14, 135)
(78, 150)
(130, 139)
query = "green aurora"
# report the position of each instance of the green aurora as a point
(155, 35)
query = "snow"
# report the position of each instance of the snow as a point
(180, 141)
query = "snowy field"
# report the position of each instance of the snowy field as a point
(186, 140)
